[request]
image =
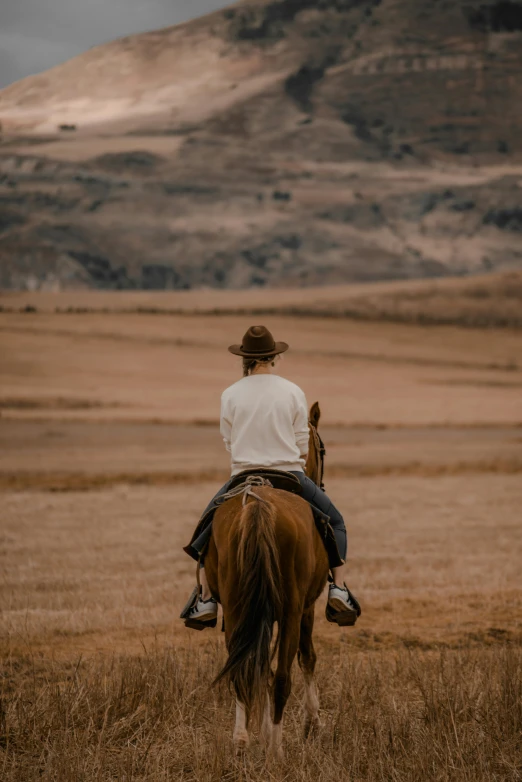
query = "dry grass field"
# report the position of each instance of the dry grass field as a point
(109, 449)
(492, 300)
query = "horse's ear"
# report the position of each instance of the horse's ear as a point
(315, 414)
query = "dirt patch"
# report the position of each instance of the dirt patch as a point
(73, 482)
(415, 542)
(87, 481)
(492, 301)
(60, 403)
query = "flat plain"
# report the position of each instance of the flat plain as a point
(109, 449)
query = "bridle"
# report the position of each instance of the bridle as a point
(321, 450)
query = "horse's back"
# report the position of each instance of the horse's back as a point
(294, 521)
(302, 556)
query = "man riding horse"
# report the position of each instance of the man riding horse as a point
(264, 424)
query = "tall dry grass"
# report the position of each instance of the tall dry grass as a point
(403, 715)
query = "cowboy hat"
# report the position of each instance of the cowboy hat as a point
(258, 342)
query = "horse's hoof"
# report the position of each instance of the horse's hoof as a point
(275, 756)
(275, 752)
(241, 744)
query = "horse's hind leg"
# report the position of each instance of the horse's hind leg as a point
(241, 738)
(266, 724)
(307, 659)
(282, 685)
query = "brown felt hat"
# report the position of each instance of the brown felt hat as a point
(258, 342)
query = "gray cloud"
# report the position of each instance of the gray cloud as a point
(37, 34)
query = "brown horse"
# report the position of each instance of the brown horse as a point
(266, 563)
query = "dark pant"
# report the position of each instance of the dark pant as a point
(315, 496)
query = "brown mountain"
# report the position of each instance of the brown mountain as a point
(283, 142)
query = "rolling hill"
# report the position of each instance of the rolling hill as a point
(281, 143)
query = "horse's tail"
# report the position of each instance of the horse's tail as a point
(259, 602)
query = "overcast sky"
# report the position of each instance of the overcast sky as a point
(37, 34)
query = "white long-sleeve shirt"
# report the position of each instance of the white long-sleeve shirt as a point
(264, 423)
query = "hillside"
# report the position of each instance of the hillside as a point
(283, 143)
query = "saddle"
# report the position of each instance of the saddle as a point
(279, 480)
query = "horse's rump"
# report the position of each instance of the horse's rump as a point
(298, 542)
(266, 563)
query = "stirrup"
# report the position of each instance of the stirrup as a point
(344, 618)
(199, 624)
(195, 624)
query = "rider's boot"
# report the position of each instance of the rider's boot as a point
(204, 610)
(198, 613)
(342, 607)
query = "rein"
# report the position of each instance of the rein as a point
(321, 450)
(246, 489)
